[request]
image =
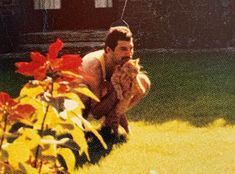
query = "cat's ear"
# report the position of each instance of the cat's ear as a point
(137, 61)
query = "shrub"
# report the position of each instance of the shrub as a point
(43, 128)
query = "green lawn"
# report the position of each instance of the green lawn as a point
(10, 81)
(197, 87)
(174, 147)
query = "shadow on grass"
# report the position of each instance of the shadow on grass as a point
(96, 150)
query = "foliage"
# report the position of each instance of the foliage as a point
(43, 127)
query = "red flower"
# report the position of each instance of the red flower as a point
(70, 62)
(54, 49)
(13, 109)
(37, 67)
(41, 65)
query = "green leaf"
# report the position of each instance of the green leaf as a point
(3, 155)
(48, 146)
(85, 125)
(39, 116)
(18, 152)
(88, 127)
(80, 140)
(48, 140)
(26, 168)
(48, 168)
(34, 102)
(75, 98)
(52, 117)
(69, 158)
(29, 137)
(1, 132)
(70, 104)
(85, 91)
(31, 91)
(55, 89)
(40, 108)
(63, 128)
(69, 73)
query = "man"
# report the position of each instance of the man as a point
(100, 66)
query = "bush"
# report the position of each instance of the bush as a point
(42, 129)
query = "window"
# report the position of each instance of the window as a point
(103, 3)
(47, 4)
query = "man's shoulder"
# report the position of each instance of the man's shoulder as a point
(94, 55)
(90, 62)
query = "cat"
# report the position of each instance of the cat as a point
(124, 79)
(126, 83)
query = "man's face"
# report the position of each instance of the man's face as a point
(122, 52)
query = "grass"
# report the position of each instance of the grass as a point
(172, 147)
(185, 124)
(10, 81)
(197, 87)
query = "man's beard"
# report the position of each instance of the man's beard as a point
(124, 60)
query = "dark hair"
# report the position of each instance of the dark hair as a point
(115, 34)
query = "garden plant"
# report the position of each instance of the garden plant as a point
(42, 130)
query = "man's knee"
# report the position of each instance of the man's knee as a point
(145, 83)
(144, 87)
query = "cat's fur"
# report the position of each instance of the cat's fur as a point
(126, 83)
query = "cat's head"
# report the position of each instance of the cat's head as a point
(132, 67)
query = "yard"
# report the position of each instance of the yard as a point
(185, 124)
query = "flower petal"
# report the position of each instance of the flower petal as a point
(70, 62)
(5, 99)
(40, 73)
(54, 49)
(24, 68)
(32, 69)
(70, 104)
(63, 88)
(36, 68)
(22, 111)
(37, 58)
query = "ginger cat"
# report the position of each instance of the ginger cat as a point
(126, 83)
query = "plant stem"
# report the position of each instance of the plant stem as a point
(47, 108)
(4, 130)
(41, 134)
(36, 156)
(44, 120)
(40, 168)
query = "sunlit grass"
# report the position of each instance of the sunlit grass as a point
(172, 147)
